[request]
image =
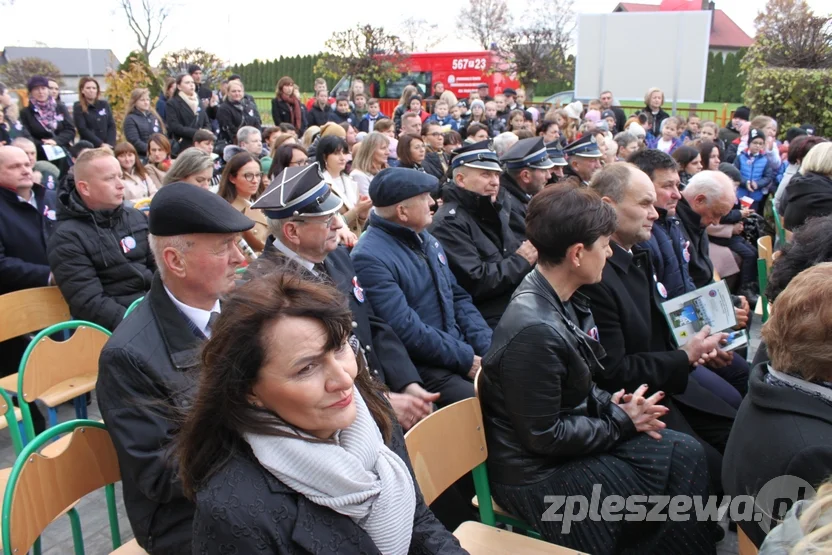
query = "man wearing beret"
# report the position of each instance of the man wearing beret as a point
(147, 369)
(303, 218)
(99, 252)
(487, 259)
(528, 168)
(584, 158)
(407, 278)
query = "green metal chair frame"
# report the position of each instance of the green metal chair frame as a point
(13, 424)
(778, 225)
(762, 276)
(80, 401)
(25, 457)
(132, 307)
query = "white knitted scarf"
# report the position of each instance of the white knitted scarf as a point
(357, 475)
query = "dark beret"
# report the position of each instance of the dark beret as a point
(37, 81)
(393, 185)
(182, 208)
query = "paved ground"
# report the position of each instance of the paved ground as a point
(57, 540)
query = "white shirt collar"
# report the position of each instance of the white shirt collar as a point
(294, 256)
(31, 200)
(196, 315)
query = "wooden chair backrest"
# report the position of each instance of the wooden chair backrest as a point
(765, 250)
(446, 445)
(746, 546)
(52, 362)
(31, 310)
(47, 486)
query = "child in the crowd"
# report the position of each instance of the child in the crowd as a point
(368, 122)
(494, 123)
(415, 106)
(710, 132)
(692, 129)
(442, 117)
(609, 117)
(757, 174)
(594, 104)
(456, 115)
(360, 102)
(476, 114)
(502, 108)
(669, 141)
(516, 121)
(342, 111)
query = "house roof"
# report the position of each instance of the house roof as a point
(71, 61)
(724, 32)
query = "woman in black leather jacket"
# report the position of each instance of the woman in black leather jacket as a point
(551, 431)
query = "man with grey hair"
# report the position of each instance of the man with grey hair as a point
(27, 146)
(638, 345)
(250, 140)
(708, 196)
(503, 142)
(147, 370)
(303, 217)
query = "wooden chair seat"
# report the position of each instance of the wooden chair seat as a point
(68, 389)
(480, 539)
(130, 548)
(9, 383)
(497, 509)
(745, 545)
(17, 416)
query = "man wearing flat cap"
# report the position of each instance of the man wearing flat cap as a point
(527, 170)
(407, 278)
(302, 214)
(147, 369)
(555, 153)
(584, 159)
(472, 225)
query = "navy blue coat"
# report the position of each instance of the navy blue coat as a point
(23, 234)
(407, 279)
(668, 247)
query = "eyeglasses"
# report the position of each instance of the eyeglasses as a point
(252, 177)
(327, 222)
(299, 163)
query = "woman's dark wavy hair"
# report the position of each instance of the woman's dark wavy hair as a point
(283, 157)
(684, 155)
(327, 146)
(705, 150)
(228, 190)
(810, 245)
(232, 359)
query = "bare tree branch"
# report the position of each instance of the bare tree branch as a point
(148, 26)
(485, 21)
(419, 35)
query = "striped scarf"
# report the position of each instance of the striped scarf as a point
(357, 475)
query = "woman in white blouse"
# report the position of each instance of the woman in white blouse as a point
(370, 159)
(331, 155)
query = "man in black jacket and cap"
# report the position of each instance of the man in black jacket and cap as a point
(147, 370)
(527, 171)
(303, 216)
(584, 159)
(99, 251)
(487, 259)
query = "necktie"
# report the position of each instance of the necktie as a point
(211, 321)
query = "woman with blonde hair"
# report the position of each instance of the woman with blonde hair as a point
(653, 100)
(141, 121)
(806, 528)
(404, 105)
(92, 114)
(370, 159)
(309, 136)
(810, 191)
(193, 166)
(450, 98)
(137, 183)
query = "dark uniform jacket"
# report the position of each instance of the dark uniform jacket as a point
(539, 402)
(24, 231)
(518, 201)
(637, 338)
(779, 431)
(244, 509)
(138, 127)
(146, 376)
(182, 123)
(481, 248)
(101, 259)
(700, 267)
(386, 356)
(407, 279)
(231, 117)
(63, 135)
(96, 125)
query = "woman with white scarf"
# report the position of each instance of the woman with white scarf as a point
(184, 115)
(290, 445)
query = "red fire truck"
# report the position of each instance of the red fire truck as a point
(460, 72)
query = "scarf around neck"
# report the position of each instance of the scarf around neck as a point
(45, 112)
(292, 101)
(192, 101)
(355, 475)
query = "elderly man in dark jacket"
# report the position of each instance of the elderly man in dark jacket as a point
(405, 272)
(99, 251)
(472, 225)
(632, 327)
(304, 232)
(147, 369)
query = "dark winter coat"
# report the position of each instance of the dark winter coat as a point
(518, 201)
(232, 116)
(97, 266)
(658, 118)
(96, 125)
(700, 267)
(146, 377)
(406, 278)
(63, 135)
(24, 231)
(668, 247)
(540, 405)
(282, 113)
(338, 117)
(274, 519)
(317, 116)
(138, 127)
(808, 196)
(481, 248)
(364, 124)
(182, 123)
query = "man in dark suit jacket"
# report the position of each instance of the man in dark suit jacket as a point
(304, 231)
(633, 331)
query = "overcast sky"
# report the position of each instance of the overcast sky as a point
(264, 29)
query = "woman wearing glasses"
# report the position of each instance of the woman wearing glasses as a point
(240, 185)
